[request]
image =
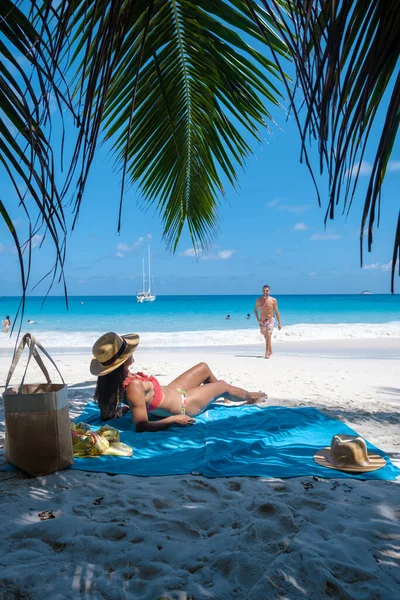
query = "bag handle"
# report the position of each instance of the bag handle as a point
(33, 352)
(30, 341)
(39, 345)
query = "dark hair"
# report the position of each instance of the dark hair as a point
(8, 317)
(109, 392)
(264, 286)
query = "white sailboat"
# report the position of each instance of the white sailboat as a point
(146, 295)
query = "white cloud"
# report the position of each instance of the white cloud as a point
(387, 266)
(300, 226)
(198, 253)
(366, 168)
(363, 168)
(53, 106)
(225, 254)
(122, 248)
(190, 252)
(295, 209)
(393, 166)
(21, 60)
(371, 266)
(324, 236)
(35, 240)
(273, 203)
(312, 273)
(292, 208)
(10, 249)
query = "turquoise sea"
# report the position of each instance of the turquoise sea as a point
(202, 319)
(189, 313)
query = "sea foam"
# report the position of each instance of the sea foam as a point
(217, 338)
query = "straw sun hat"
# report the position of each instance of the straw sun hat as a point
(111, 351)
(349, 453)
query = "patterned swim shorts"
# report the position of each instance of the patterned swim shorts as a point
(267, 326)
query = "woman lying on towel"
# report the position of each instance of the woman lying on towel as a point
(177, 403)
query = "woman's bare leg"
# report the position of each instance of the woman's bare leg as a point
(198, 398)
(194, 377)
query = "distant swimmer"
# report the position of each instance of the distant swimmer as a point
(6, 323)
(267, 307)
(248, 316)
(81, 302)
(228, 317)
(30, 321)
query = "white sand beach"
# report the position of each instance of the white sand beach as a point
(187, 537)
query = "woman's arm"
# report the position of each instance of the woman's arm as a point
(137, 404)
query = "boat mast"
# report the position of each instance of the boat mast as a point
(148, 252)
(143, 278)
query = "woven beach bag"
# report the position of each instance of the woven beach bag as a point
(38, 435)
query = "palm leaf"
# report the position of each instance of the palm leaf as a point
(26, 154)
(169, 82)
(346, 57)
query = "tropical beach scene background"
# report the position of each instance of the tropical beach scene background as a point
(160, 162)
(200, 321)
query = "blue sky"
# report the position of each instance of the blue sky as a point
(270, 231)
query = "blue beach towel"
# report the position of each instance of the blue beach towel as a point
(231, 441)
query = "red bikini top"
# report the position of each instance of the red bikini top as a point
(158, 395)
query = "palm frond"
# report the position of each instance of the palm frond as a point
(26, 82)
(169, 81)
(346, 57)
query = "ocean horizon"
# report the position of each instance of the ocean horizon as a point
(201, 320)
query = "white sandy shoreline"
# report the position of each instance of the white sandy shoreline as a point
(184, 537)
(302, 333)
(377, 348)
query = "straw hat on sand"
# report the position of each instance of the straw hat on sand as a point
(111, 351)
(349, 453)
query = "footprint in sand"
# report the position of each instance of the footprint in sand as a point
(176, 529)
(265, 510)
(225, 563)
(199, 484)
(234, 486)
(160, 504)
(112, 532)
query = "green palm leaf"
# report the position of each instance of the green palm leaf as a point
(170, 82)
(25, 151)
(347, 63)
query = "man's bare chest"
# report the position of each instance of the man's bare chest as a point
(266, 304)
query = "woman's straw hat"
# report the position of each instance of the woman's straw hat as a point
(349, 453)
(111, 351)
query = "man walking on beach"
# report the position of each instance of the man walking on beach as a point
(267, 306)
